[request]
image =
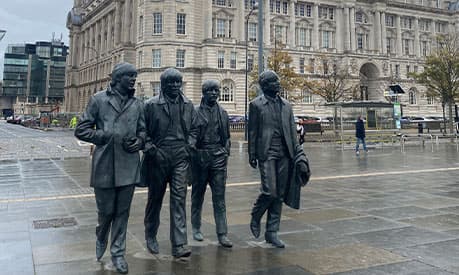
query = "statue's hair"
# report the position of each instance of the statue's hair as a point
(169, 73)
(121, 69)
(265, 76)
(210, 83)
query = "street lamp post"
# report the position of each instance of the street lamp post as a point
(254, 7)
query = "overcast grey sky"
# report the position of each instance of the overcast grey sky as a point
(27, 21)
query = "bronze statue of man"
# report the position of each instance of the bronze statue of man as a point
(171, 137)
(273, 146)
(210, 161)
(114, 121)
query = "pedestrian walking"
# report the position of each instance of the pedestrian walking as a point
(360, 135)
(300, 130)
(114, 121)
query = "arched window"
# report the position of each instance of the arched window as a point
(306, 97)
(227, 91)
(412, 96)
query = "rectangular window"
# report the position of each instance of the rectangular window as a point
(285, 7)
(230, 28)
(390, 20)
(306, 97)
(301, 37)
(233, 60)
(180, 59)
(325, 66)
(360, 41)
(326, 39)
(221, 59)
(278, 6)
(140, 59)
(406, 46)
(249, 62)
(397, 71)
(252, 32)
(221, 27)
(155, 88)
(157, 23)
(312, 67)
(181, 23)
(301, 65)
(156, 53)
(140, 34)
(424, 51)
(389, 45)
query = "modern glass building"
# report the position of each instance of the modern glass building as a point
(35, 73)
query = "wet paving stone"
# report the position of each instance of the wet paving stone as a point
(441, 254)
(399, 213)
(404, 268)
(355, 218)
(342, 258)
(322, 215)
(437, 222)
(401, 237)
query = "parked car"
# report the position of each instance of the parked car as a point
(236, 118)
(14, 120)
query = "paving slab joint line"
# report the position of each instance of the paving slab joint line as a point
(87, 195)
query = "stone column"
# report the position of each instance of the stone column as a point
(292, 26)
(352, 26)
(347, 31)
(399, 35)
(377, 28)
(109, 33)
(315, 28)
(133, 32)
(239, 22)
(91, 44)
(383, 33)
(417, 46)
(126, 22)
(339, 37)
(73, 47)
(117, 22)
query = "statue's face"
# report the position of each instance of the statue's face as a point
(271, 86)
(173, 86)
(211, 95)
(127, 82)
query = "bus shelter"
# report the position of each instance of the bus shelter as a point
(377, 115)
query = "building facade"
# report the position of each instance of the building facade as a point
(34, 74)
(380, 41)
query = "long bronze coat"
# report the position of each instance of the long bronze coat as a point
(105, 124)
(157, 117)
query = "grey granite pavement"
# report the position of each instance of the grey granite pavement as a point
(385, 212)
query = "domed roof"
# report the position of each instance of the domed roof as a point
(74, 18)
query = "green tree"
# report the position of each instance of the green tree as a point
(281, 62)
(441, 73)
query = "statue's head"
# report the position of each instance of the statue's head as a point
(123, 77)
(210, 91)
(171, 82)
(269, 83)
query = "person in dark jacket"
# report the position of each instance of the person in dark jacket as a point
(209, 166)
(114, 121)
(171, 137)
(273, 146)
(360, 135)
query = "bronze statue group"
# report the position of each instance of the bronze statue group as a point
(184, 145)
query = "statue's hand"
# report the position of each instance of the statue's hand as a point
(133, 145)
(304, 170)
(253, 162)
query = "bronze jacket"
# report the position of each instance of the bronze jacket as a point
(105, 124)
(260, 132)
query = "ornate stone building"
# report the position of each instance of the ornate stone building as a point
(379, 40)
